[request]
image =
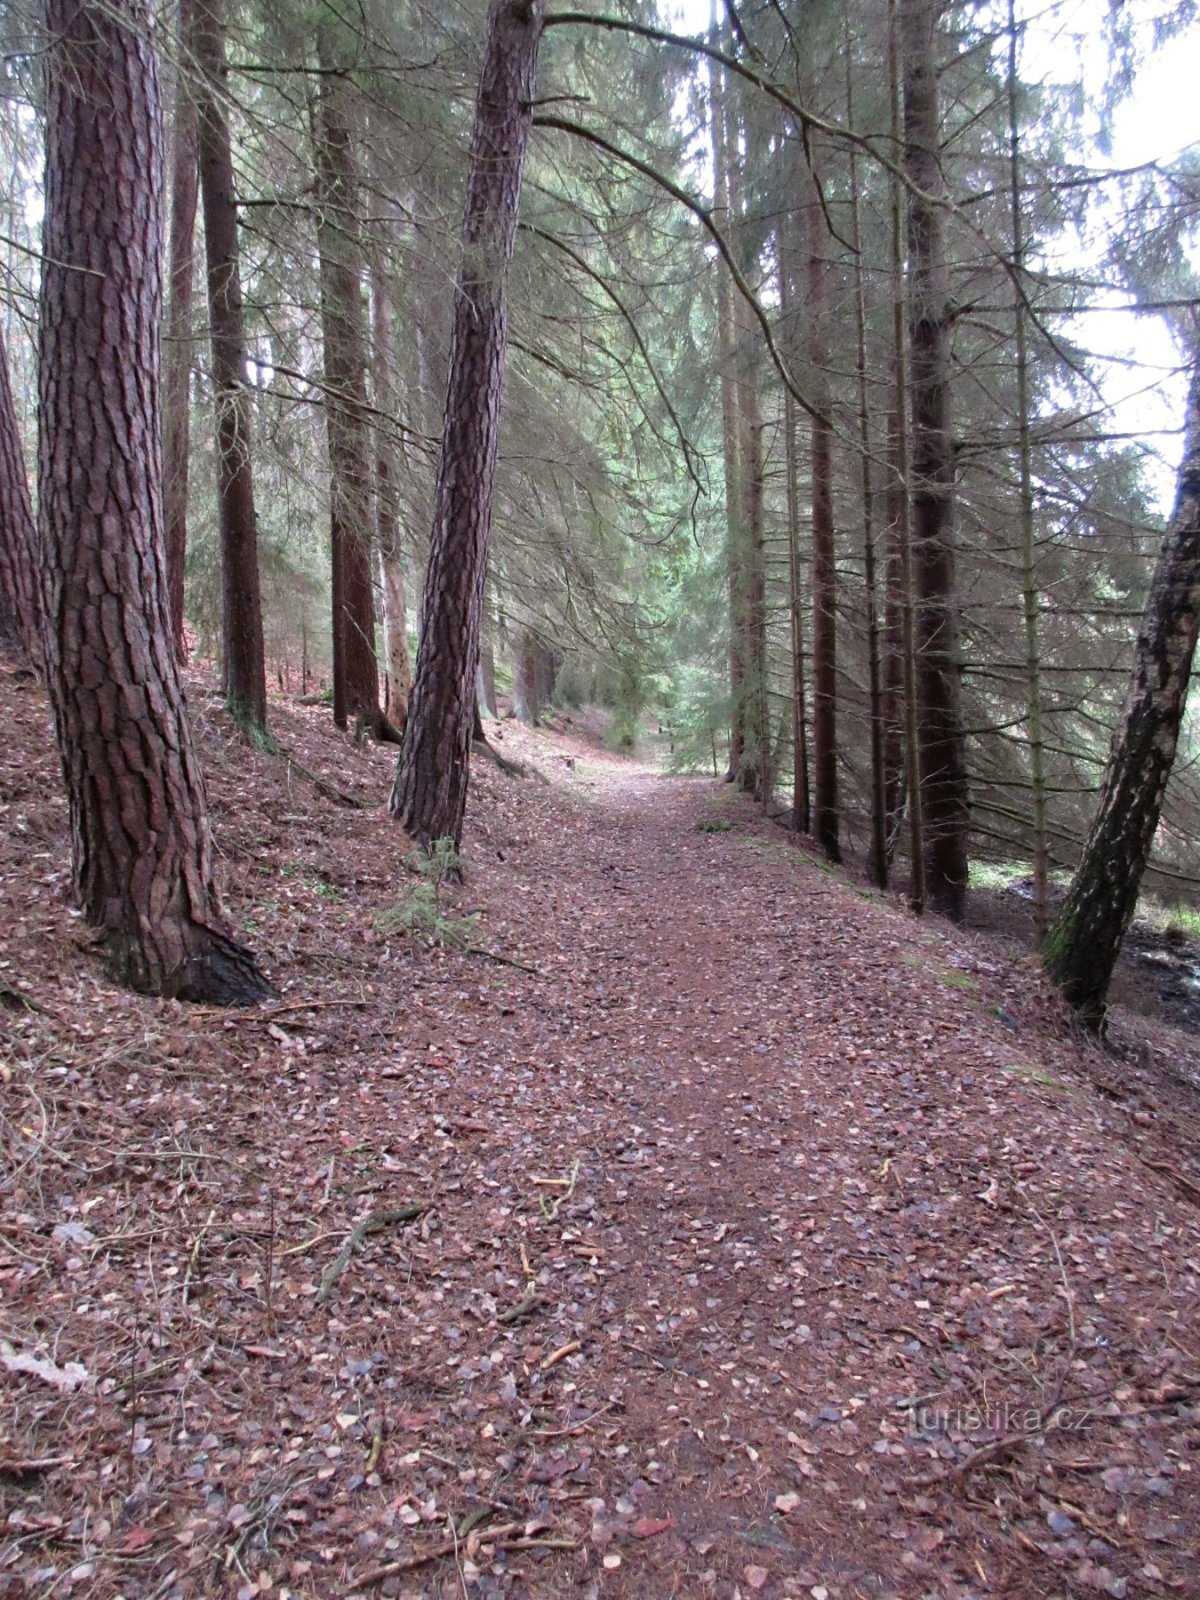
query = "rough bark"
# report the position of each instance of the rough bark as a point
(430, 791)
(343, 332)
(902, 501)
(243, 665)
(20, 608)
(878, 854)
(946, 812)
(141, 854)
(1083, 944)
(177, 363)
(824, 570)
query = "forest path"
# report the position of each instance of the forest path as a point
(777, 1242)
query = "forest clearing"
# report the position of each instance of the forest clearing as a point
(771, 1240)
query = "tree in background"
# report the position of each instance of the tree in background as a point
(344, 343)
(430, 791)
(243, 664)
(177, 374)
(20, 611)
(944, 803)
(1084, 941)
(141, 855)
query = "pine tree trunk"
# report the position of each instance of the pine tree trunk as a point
(20, 607)
(243, 663)
(343, 331)
(430, 792)
(801, 810)
(1029, 591)
(824, 575)
(730, 438)
(942, 742)
(752, 777)
(141, 854)
(901, 487)
(1083, 944)
(878, 855)
(527, 700)
(177, 365)
(397, 668)
(895, 514)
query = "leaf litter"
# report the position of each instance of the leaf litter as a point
(721, 1247)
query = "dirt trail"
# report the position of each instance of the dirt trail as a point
(777, 1243)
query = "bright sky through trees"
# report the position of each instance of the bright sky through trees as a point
(1066, 45)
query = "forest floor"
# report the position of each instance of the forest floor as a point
(772, 1241)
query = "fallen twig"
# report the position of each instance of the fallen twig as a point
(1190, 1189)
(323, 786)
(374, 1223)
(436, 1552)
(523, 1308)
(502, 961)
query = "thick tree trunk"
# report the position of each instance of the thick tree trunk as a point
(20, 608)
(397, 668)
(355, 670)
(430, 792)
(177, 366)
(242, 661)
(1083, 944)
(824, 570)
(942, 743)
(141, 857)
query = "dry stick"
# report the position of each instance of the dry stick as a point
(374, 1223)
(1190, 1190)
(435, 1553)
(323, 787)
(275, 1011)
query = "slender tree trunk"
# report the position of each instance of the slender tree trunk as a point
(878, 854)
(752, 778)
(527, 699)
(908, 632)
(20, 608)
(895, 509)
(242, 662)
(343, 331)
(397, 668)
(141, 854)
(730, 438)
(943, 745)
(177, 373)
(430, 791)
(824, 577)
(801, 810)
(1083, 944)
(1029, 592)
(485, 679)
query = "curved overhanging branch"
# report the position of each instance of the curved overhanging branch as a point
(690, 454)
(703, 215)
